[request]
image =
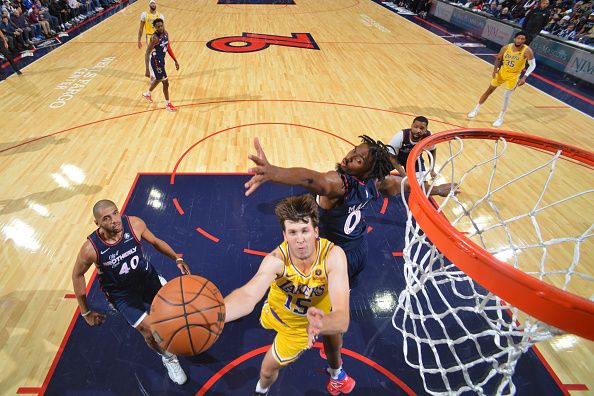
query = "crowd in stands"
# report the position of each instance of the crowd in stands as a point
(568, 19)
(26, 23)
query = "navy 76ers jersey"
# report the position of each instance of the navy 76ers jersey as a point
(122, 264)
(345, 224)
(161, 48)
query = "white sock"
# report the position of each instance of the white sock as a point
(506, 98)
(334, 372)
(147, 93)
(477, 107)
(166, 354)
(168, 102)
(259, 388)
(501, 115)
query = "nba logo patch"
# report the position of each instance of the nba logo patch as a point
(126, 236)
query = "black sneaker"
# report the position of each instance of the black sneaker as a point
(260, 394)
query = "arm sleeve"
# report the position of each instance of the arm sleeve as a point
(531, 67)
(143, 16)
(396, 143)
(170, 51)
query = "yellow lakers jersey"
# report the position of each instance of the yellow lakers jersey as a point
(513, 61)
(292, 293)
(149, 29)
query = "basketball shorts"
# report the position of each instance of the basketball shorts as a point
(509, 79)
(356, 260)
(289, 343)
(133, 302)
(157, 69)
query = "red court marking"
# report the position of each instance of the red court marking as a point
(550, 370)
(433, 25)
(174, 172)
(397, 254)
(369, 229)
(256, 252)
(220, 102)
(209, 236)
(562, 88)
(575, 387)
(69, 295)
(552, 107)
(28, 391)
(217, 376)
(384, 206)
(179, 209)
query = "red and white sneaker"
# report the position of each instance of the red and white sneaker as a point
(170, 107)
(147, 97)
(335, 387)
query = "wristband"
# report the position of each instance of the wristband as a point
(86, 313)
(179, 259)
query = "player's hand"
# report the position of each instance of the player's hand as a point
(139, 44)
(522, 81)
(94, 319)
(262, 171)
(183, 267)
(433, 174)
(176, 65)
(147, 74)
(314, 324)
(494, 73)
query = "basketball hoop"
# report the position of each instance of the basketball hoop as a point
(460, 293)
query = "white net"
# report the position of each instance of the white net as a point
(461, 337)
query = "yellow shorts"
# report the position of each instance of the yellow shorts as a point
(288, 344)
(510, 80)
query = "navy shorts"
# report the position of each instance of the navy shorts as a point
(133, 302)
(157, 69)
(356, 260)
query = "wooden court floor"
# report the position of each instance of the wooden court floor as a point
(75, 129)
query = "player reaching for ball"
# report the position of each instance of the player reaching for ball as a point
(128, 280)
(309, 295)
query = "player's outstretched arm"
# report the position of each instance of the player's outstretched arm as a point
(241, 302)
(140, 229)
(327, 184)
(86, 257)
(337, 321)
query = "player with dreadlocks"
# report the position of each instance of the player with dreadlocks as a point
(342, 194)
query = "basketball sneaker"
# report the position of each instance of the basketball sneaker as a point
(174, 369)
(344, 384)
(147, 97)
(260, 394)
(170, 107)
(498, 122)
(473, 113)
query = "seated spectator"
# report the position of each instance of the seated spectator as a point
(36, 18)
(42, 6)
(568, 33)
(15, 41)
(505, 15)
(21, 24)
(586, 26)
(60, 10)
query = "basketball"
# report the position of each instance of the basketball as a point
(187, 315)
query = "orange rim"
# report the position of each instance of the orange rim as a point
(545, 302)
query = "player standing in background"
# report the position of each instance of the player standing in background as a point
(146, 22)
(154, 60)
(508, 65)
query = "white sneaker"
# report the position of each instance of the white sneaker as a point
(175, 371)
(473, 113)
(498, 122)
